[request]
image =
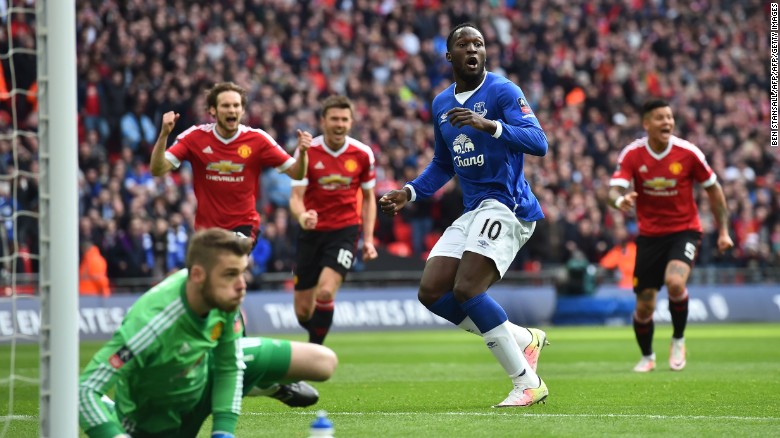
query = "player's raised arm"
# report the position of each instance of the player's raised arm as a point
(159, 165)
(298, 170)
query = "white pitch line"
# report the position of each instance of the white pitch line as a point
(491, 414)
(481, 414)
(19, 418)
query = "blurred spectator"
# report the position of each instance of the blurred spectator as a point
(93, 270)
(621, 258)
(276, 190)
(418, 215)
(585, 66)
(131, 255)
(137, 129)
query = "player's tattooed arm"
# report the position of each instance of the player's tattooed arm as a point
(718, 205)
(721, 212)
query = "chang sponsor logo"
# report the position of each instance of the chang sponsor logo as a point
(464, 145)
(478, 160)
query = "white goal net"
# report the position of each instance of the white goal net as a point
(38, 248)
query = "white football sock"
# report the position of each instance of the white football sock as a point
(521, 334)
(469, 326)
(502, 344)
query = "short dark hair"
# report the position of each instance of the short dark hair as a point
(653, 104)
(206, 245)
(451, 36)
(221, 87)
(336, 101)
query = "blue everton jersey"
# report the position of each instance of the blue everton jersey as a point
(488, 167)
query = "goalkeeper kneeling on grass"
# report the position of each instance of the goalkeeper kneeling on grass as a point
(179, 355)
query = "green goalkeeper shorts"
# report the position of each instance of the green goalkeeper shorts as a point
(267, 361)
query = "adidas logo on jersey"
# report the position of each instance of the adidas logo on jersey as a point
(319, 165)
(643, 169)
(185, 348)
(207, 150)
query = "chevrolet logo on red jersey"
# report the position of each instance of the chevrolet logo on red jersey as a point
(334, 180)
(660, 183)
(225, 167)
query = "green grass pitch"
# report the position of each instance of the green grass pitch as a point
(443, 383)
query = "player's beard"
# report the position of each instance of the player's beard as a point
(225, 127)
(210, 298)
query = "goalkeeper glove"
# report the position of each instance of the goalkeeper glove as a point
(222, 435)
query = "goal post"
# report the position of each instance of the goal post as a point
(59, 331)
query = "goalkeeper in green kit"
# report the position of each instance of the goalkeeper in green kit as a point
(179, 355)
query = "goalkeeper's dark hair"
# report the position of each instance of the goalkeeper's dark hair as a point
(336, 101)
(221, 87)
(207, 245)
(451, 36)
(653, 104)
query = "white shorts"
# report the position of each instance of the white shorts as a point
(491, 230)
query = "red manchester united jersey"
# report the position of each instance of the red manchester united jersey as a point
(333, 180)
(226, 172)
(664, 183)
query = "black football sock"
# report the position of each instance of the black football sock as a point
(644, 335)
(679, 311)
(320, 323)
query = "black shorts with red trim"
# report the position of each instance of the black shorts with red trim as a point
(653, 253)
(318, 249)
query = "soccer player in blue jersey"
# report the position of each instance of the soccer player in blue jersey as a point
(483, 126)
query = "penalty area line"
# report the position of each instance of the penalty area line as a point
(528, 414)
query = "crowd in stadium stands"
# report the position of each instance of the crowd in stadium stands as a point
(585, 67)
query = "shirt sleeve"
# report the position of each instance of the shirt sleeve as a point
(702, 172)
(228, 377)
(520, 130)
(179, 151)
(368, 174)
(623, 174)
(272, 154)
(114, 360)
(437, 173)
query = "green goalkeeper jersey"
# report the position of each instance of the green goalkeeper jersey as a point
(160, 361)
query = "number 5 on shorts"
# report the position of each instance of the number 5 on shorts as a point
(690, 250)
